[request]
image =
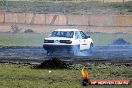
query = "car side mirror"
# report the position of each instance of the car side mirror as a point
(87, 36)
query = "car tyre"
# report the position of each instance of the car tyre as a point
(91, 46)
(76, 51)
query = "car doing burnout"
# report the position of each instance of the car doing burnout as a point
(67, 42)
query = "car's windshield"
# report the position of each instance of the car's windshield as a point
(67, 34)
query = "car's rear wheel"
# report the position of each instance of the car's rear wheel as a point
(48, 53)
(76, 51)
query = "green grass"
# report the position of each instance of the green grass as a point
(122, 6)
(108, 38)
(9, 39)
(17, 76)
(42, 6)
(36, 39)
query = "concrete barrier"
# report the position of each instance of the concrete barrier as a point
(70, 19)
(91, 22)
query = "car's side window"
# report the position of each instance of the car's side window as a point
(70, 34)
(83, 35)
(78, 35)
(53, 34)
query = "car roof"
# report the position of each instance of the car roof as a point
(67, 30)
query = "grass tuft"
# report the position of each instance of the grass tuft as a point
(18, 76)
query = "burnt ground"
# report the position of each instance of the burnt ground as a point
(22, 52)
(110, 52)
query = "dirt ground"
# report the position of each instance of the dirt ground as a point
(98, 52)
(48, 28)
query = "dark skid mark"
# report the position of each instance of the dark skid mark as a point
(85, 53)
(123, 52)
(69, 54)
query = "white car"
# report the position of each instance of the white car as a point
(67, 42)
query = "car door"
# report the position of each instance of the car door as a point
(81, 38)
(85, 41)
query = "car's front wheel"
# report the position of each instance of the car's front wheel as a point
(91, 46)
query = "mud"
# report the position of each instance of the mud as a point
(54, 63)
